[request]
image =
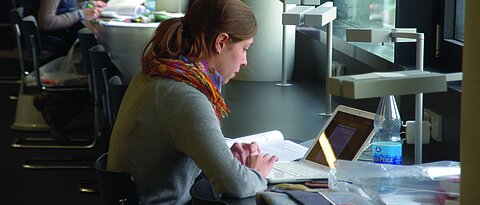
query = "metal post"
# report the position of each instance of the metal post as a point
(419, 103)
(284, 53)
(419, 37)
(328, 70)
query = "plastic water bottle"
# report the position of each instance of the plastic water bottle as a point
(150, 5)
(387, 144)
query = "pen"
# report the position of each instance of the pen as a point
(317, 183)
(87, 4)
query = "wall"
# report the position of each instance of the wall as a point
(470, 143)
(172, 6)
(447, 104)
(265, 55)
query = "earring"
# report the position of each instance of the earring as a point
(218, 52)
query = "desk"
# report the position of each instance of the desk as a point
(125, 43)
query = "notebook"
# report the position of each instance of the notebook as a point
(345, 135)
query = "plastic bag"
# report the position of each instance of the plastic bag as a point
(62, 71)
(430, 183)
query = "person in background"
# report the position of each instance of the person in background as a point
(59, 20)
(168, 129)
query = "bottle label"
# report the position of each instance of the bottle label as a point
(387, 152)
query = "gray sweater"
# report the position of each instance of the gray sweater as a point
(166, 132)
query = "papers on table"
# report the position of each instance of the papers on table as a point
(124, 9)
(127, 24)
(273, 143)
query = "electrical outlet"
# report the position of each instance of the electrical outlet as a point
(337, 69)
(436, 124)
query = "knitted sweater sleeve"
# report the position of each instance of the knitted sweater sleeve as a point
(195, 131)
(49, 20)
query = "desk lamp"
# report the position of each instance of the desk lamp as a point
(311, 16)
(384, 35)
(394, 83)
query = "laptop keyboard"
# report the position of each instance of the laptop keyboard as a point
(297, 169)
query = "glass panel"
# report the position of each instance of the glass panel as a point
(366, 14)
(459, 19)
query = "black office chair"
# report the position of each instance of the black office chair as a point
(114, 90)
(202, 193)
(102, 64)
(87, 41)
(16, 15)
(27, 118)
(116, 188)
(32, 42)
(29, 28)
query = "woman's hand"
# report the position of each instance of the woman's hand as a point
(91, 13)
(92, 9)
(242, 150)
(262, 163)
(99, 4)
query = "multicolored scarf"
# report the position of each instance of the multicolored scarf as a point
(199, 75)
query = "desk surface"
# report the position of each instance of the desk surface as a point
(125, 43)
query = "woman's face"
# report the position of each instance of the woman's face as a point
(230, 58)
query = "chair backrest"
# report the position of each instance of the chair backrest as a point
(87, 40)
(33, 45)
(16, 15)
(99, 58)
(116, 188)
(115, 90)
(31, 35)
(202, 193)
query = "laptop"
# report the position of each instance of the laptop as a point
(345, 135)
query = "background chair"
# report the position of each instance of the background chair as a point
(108, 92)
(27, 118)
(32, 42)
(116, 188)
(87, 41)
(33, 45)
(114, 90)
(202, 193)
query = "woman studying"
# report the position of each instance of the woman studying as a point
(168, 129)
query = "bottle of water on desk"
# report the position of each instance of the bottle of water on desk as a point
(150, 5)
(387, 144)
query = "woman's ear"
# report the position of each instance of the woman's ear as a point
(220, 42)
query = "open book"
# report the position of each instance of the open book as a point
(123, 9)
(273, 143)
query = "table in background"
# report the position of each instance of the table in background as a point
(125, 43)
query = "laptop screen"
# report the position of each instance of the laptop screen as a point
(347, 134)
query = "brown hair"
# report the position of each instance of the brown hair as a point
(194, 35)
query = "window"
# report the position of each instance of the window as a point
(366, 14)
(454, 18)
(442, 22)
(459, 19)
(449, 34)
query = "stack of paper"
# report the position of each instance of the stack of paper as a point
(273, 143)
(124, 9)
